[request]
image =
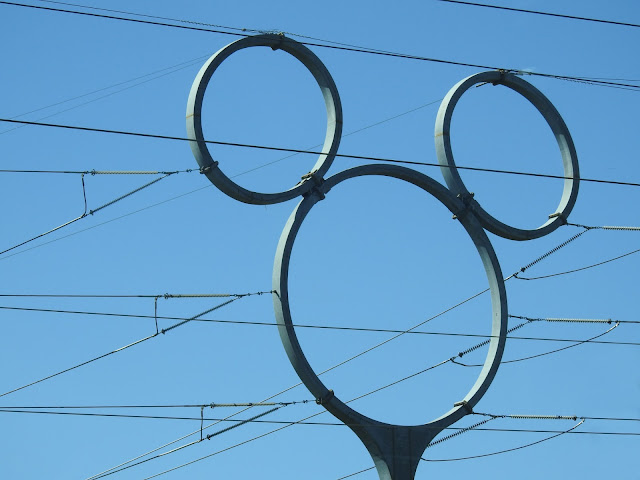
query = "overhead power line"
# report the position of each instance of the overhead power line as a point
(334, 46)
(43, 411)
(535, 12)
(324, 327)
(310, 152)
(121, 349)
(87, 212)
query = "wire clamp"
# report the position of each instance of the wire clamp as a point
(326, 398)
(278, 45)
(204, 170)
(559, 215)
(465, 404)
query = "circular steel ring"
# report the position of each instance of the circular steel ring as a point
(331, 99)
(285, 323)
(559, 129)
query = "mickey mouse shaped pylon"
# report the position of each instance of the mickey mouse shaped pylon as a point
(396, 449)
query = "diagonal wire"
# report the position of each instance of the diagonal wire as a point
(582, 342)
(549, 14)
(85, 213)
(580, 269)
(321, 373)
(507, 450)
(137, 342)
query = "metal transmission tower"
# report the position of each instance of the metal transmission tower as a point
(396, 450)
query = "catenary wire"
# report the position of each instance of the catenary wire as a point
(504, 451)
(112, 352)
(579, 269)
(316, 424)
(311, 152)
(189, 64)
(336, 46)
(163, 71)
(87, 213)
(558, 15)
(299, 383)
(589, 340)
(320, 327)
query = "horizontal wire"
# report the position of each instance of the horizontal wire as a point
(102, 172)
(290, 388)
(335, 46)
(323, 327)
(161, 295)
(311, 152)
(43, 408)
(197, 405)
(558, 15)
(320, 424)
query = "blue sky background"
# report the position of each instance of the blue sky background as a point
(376, 253)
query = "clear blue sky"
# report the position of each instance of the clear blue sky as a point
(376, 253)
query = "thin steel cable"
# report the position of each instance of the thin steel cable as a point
(580, 269)
(549, 14)
(101, 172)
(85, 213)
(211, 405)
(79, 365)
(336, 46)
(576, 320)
(356, 473)
(461, 431)
(122, 197)
(545, 353)
(273, 396)
(208, 437)
(328, 327)
(605, 227)
(158, 74)
(288, 389)
(310, 152)
(318, 424)
(551, 252)
(137, 342)
(504, 451)
(163, 295)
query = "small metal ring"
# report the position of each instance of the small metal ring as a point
(559, 129)
(332, 104)
(285, 322)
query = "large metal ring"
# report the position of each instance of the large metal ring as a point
(372, 432)
(553, 119)
(331, 100)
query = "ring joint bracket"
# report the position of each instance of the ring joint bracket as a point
(468, 205)
(278, 45)
(326, 398)
(465, 405)
(316, 188)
